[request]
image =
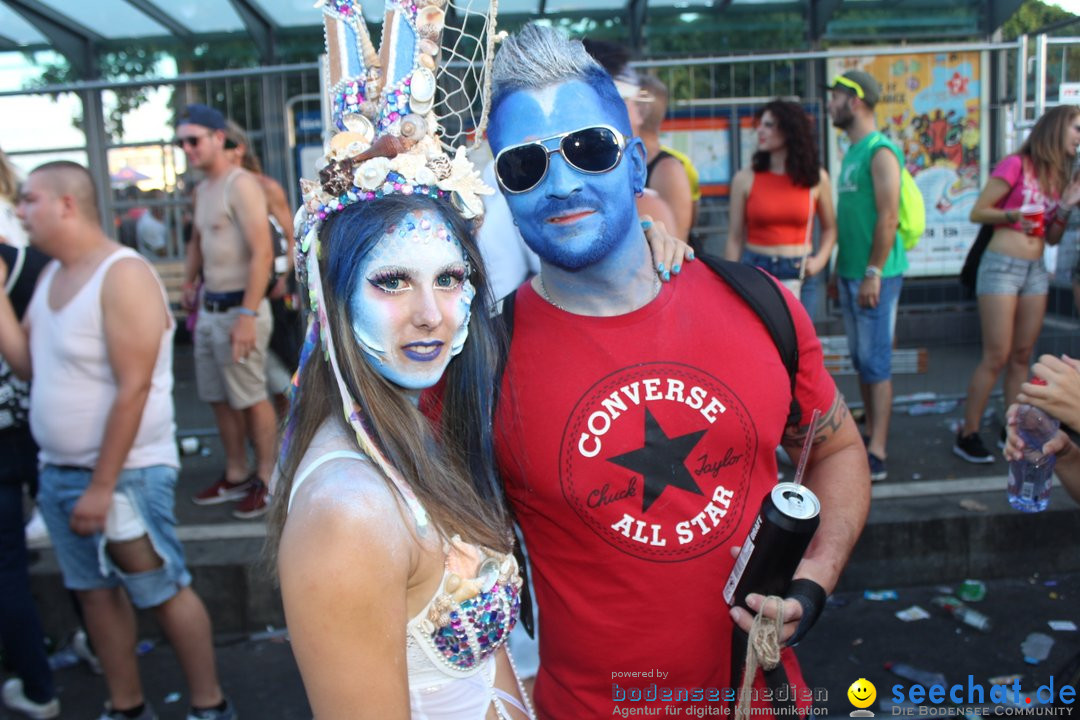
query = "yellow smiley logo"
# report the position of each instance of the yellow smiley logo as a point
(862, 693)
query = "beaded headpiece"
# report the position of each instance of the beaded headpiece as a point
(395, 118)
(390, 110)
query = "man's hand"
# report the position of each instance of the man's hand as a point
(792, 614)
(190, 297)
(1014, 444)
(1060, 396)
(869, 292)
(90, 512)
(242, 337)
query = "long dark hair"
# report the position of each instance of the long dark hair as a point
(448, 462)
(802, 164)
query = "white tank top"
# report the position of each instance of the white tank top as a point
(74, 387)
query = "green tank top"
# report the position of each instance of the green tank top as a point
(856, 212)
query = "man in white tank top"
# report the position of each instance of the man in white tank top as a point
(98, 336)
(232, 252)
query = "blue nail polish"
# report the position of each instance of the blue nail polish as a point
(667, 276)
(690, 255)
(646, 224)
(676, 269)
(660, 268)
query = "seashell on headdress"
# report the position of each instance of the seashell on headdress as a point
(383, 109)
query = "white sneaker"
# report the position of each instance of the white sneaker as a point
(81, 647)
(15, 699)
(37, 535)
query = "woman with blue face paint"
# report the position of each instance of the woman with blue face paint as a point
(392, 539)
(398, 582)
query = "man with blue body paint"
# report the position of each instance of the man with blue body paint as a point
(637, 422)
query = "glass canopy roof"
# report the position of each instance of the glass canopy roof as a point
(39, 24)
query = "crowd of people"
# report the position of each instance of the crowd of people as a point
(583, 439)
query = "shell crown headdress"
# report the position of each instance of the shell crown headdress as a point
(385, 117)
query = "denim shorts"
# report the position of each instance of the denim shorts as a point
(1005, 275)
(870, 330)
(83, 558)
(781, 268)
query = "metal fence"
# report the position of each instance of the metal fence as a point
(1022, 78)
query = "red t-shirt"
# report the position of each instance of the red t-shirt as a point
(636, 450)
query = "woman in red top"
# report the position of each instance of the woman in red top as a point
(1012, 282)
(775, 200)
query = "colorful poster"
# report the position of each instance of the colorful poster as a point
(931, 106)
(707, 141)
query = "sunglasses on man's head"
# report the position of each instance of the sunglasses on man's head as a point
(189, 140)
(593, 150)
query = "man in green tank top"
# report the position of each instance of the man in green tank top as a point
(870, 260)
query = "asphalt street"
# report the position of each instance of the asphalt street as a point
(854, 639)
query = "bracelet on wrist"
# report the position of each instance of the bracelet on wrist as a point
(246, 311)
(1011, 216)
(872, 271)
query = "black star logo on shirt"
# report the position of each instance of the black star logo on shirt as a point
(661, 461)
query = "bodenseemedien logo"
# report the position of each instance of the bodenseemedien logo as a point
(862, 694)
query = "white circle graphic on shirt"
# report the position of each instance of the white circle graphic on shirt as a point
(657, 458)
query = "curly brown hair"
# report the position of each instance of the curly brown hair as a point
(802, 165)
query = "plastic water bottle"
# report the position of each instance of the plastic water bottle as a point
(1030, 477)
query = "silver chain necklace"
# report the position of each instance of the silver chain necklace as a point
(544, 291)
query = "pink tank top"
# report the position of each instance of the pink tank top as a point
(73, 388)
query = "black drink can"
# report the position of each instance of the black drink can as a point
(775, 545)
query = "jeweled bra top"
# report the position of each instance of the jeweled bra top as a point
(472, 612)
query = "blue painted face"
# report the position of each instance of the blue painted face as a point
(410, 310)
(570, 219)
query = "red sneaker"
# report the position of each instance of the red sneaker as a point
(254, 503)
(223, 491)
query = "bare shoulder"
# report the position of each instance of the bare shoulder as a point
(743, 179)
(132, 278)
(345, 504)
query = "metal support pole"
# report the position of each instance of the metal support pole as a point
(1040, 76)
(97, 155)
(275, 139)
(1020, 109)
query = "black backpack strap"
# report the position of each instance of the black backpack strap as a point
(653, 163)
(505, 319)
(763, 296)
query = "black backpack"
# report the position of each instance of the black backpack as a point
(757, 290)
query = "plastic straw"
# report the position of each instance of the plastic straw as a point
(806, 447)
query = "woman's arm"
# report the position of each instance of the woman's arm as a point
(344, 563)
(736, 235)
(826, 213)
(985, 213)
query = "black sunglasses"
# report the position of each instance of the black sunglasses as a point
(231, 144)
(593, 150)
(191, 140)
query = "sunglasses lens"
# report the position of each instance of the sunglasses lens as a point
(521, 168)
(593, 150)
